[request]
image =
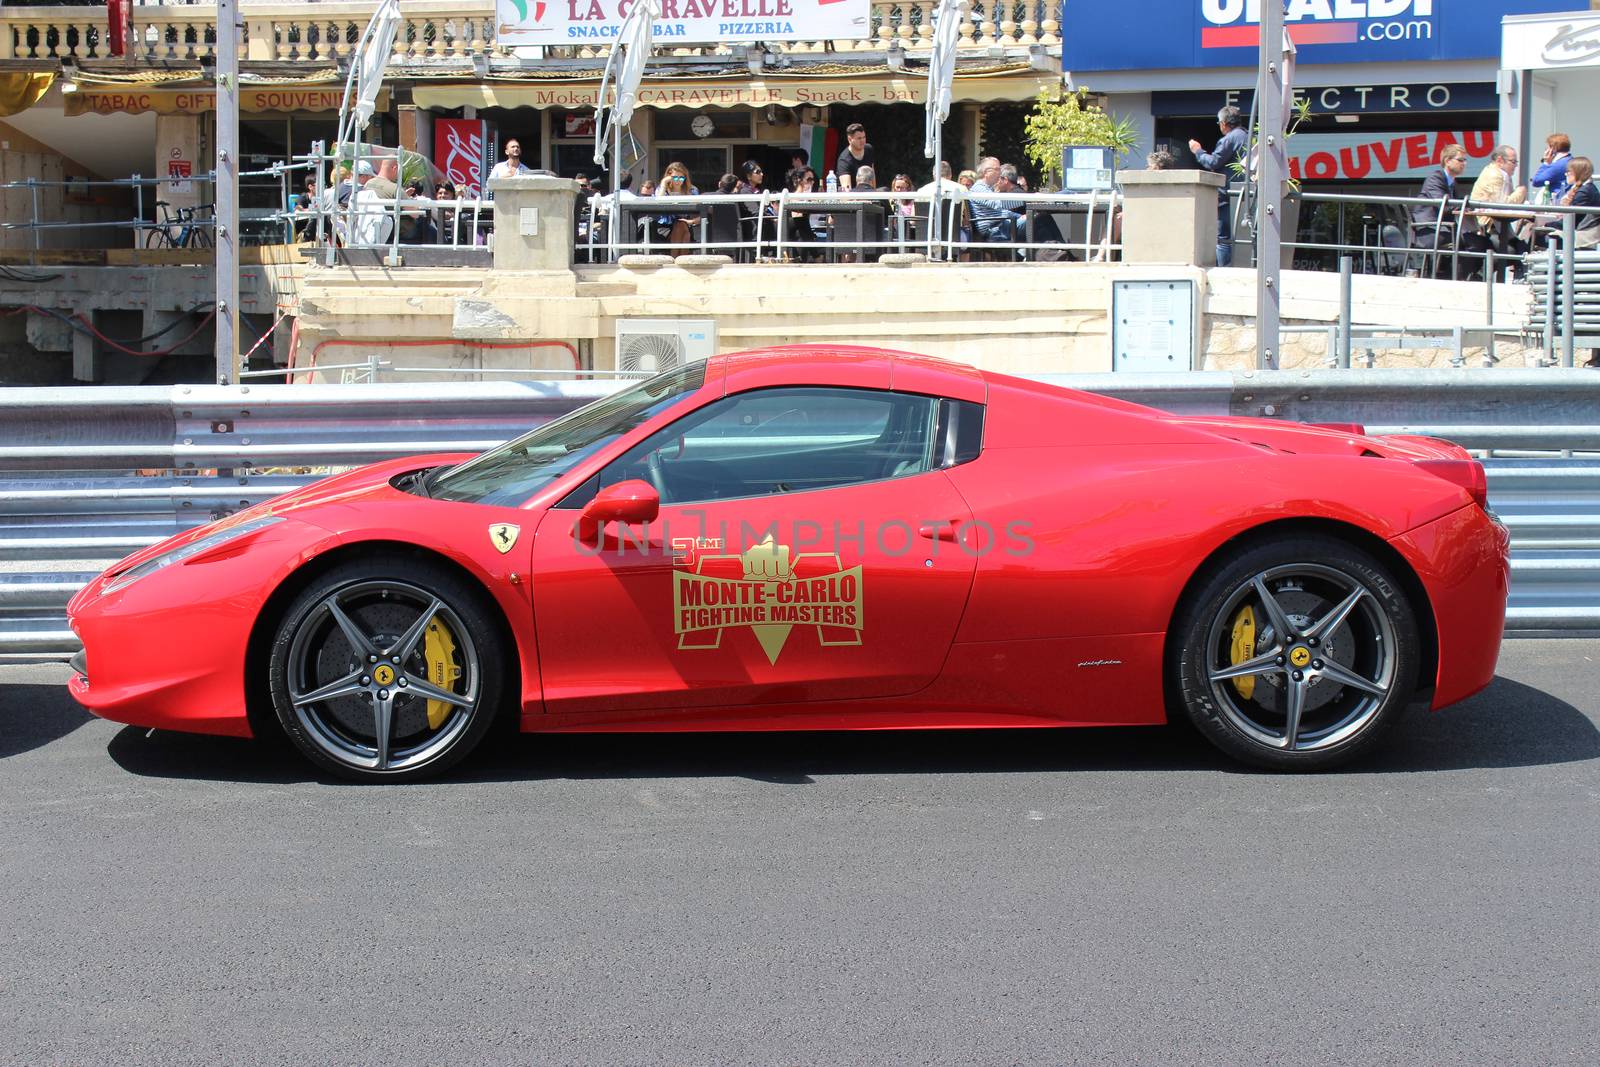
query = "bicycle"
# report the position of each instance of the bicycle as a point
(180, 229)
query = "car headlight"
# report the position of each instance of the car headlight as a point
(188, 551)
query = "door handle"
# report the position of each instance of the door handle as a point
(945, 531)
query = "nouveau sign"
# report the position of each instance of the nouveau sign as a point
(577, 22)
(1380, 156)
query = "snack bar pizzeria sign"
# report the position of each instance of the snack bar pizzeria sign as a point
(574, 22)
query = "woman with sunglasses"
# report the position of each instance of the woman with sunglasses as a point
(805, 226)
(750, 184)
(676, 227)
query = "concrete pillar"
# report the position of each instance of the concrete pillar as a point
(1170, 216)
(86, 363)
(178, 141)
(261, 45)
(533, 222)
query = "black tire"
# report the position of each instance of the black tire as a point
(361, 634)
(157, 237)
(1342, 679)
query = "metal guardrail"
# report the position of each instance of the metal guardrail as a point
(89, 475)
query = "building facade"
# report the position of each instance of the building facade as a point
(140, 99)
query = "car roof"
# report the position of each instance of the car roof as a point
(860, 366)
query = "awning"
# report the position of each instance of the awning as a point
(198, 101)
(20, 90)
(742, 92)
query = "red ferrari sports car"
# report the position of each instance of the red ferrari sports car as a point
(817, 537)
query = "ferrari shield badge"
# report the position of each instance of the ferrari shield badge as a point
(503, 535)
(764, 589)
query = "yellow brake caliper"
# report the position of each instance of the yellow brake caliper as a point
(439, 647)
(1244, 646)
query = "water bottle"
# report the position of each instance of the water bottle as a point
(833, 182)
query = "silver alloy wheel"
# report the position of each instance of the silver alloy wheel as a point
(1327, 654)
(358, 677)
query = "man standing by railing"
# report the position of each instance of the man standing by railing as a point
(1220, 160)
(857, 153)
(511, 166)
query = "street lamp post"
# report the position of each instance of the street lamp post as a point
(225, 192)
(1273, 170)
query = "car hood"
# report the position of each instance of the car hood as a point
(336, 487)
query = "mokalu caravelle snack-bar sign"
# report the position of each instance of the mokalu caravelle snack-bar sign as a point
(596, 22)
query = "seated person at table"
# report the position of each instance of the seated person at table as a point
(805, 226)
(1494, 186)
(993, 218)
(1433, 225)
(1581, 192)
(675, 227)
(1552, 173)
(902, 184)
(952, 190)
(866, 180)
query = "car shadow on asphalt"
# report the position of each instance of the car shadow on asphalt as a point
(1507, 725)
(35, 715)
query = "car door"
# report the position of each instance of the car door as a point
(805, 550)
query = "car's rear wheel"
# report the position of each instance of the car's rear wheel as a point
(387, 670)
(1296, 655)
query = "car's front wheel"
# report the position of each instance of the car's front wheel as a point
(1296, 655)
(387, 669)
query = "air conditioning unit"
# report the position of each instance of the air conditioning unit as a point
(655, 345)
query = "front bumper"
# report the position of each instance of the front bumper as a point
(168, 651)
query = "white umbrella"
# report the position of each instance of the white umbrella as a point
(363, 82)
(366, 69)
(941, 71)
(624, 70)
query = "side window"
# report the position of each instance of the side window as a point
(785, 440)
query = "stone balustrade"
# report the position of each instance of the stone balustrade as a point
(444, 31)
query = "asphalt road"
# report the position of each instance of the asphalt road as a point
(1001, 897)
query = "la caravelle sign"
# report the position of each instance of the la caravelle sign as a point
(592, 22)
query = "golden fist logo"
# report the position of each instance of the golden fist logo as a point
(767, 562)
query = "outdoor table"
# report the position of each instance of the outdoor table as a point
(645, 208)
(1034, 208)
(856, 230)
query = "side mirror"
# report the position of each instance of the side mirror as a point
(632, 501)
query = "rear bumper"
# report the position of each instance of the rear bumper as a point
(1464, 562)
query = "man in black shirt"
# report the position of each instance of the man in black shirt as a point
(857, 154)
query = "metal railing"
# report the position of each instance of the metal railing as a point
(1417, 236)
(1413, 234)
(89, 475)
(143, 224)
(856, 225)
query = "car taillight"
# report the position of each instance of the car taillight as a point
(1467, 473)
(1341, 427)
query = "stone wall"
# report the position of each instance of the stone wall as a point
(1025, 317)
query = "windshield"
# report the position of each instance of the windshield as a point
(516, 470)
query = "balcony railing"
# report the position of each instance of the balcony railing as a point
(442, 31)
